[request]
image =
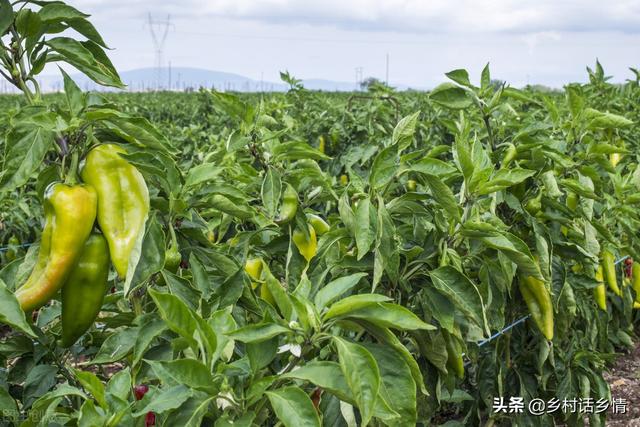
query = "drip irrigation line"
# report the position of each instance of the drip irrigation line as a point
(24, 245)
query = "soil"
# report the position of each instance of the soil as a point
(624, 380)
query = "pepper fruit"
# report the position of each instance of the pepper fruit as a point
(307, 245)
(411, 185)
(318, 224)
(509, 154)
(83, 292)
(289, 205)
(70, 211)
(344, 180)
(599, 292)
(12, 251)
(571, 203)
(123, 200)
(538, 300)
(614, 159)
(609, 268)
(321, 144)
(253, 267)
(455, 364)
(172, 257)
(534, 205)
(635, 283)
(572, 200)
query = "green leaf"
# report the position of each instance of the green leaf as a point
(152, 326)
(397, 387)
(6, 16)
(93, 385)
(431, 166)
(176, 314)
(119, 384)
(386, 252)
(462, 292)
(115, 347)
(444, 196)
(59, 12)
(24, 151)
(510, 245)
(270, 191)
(189, 372)
(293, 407)
(324, 374)
(384, 168)
(575, 100)
(222, 322)
(352, 303)
(451, 96)
(388, 315)
(39, 380)
(86, 58)
(191, 413)
(166, 399)
(28, 23)
(605, 120)
(361, 372)
(504, 178)
(75, 97)
(90, 415)
(460, 76)
(10, 312)
(258, 332)
(364, 234)
(336, 288)
(404, 131)
(151, 257)
(485, 78)
(279, 294)
(239, 210)
(136, 130)
(202, 173)
(296, 150)
(8, 406)
(40, 408)
(328, 376)
(578, 188)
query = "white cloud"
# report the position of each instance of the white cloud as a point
(414, 16)
(544, 41)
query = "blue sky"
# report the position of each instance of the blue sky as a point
(548, 42)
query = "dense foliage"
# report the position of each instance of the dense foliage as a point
(444, 211)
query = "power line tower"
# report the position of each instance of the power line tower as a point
(386, 77)
(359, 77)
(159, 32)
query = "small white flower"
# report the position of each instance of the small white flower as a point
(223, 403)
(294, 349)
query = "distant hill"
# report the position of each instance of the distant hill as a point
(184, 78)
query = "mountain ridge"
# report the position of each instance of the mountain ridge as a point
(192, 78)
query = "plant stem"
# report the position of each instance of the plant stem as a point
(71, 177)
(487, 124)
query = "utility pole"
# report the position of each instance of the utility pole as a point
(387, 73)
(359, 77)
(159, 32)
